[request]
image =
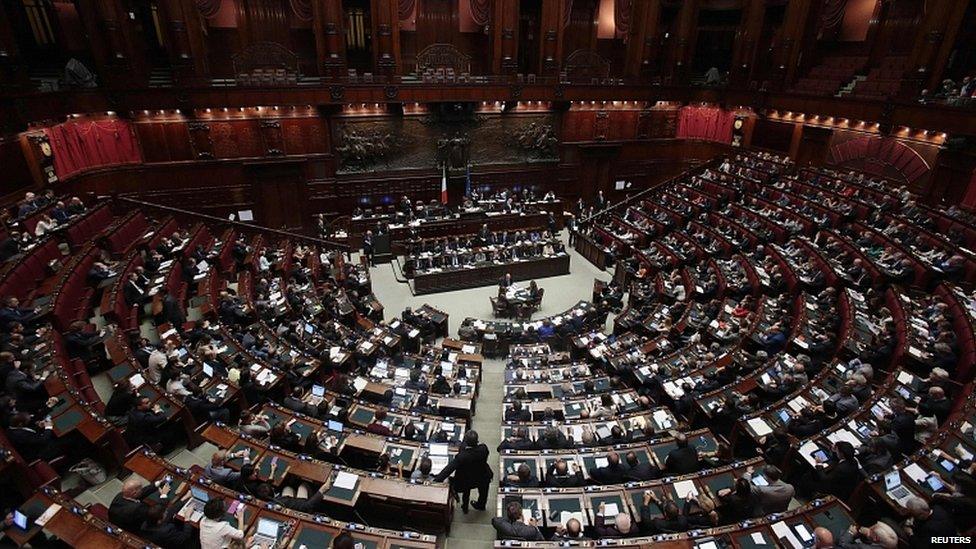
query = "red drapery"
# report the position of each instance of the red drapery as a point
(302, 9)
(78, 146)
(708, 123)
(832, 15)
(481, 11)
(208, 8)
(969, 201)
(621, 17)
(405, 9)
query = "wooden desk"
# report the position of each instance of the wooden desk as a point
(487, 275)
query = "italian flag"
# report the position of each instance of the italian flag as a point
(444, 185)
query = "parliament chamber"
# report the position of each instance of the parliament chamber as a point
(418, 274)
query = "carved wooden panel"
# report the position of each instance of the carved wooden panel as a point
(271, 137)
(420, 142)
(601, 125)
(200, 141)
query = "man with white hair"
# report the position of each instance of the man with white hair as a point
(927, 522)
(128, 510)
(622, 526)
(879, 536)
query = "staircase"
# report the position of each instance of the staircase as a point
(846, 89)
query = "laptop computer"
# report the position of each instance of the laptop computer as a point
(193, 510)
(894, 487)
(267, 532)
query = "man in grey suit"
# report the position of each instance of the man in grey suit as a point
(776, 495)
(512, 527)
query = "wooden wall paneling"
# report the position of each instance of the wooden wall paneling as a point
(280, 193)
(178, 141)
(17, 174)
(814, 146)
(772, 135)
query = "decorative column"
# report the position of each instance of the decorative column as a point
(684, 46)
(385, 20)
(330, 45)
(937, 33)
(186, 44)
(786, 51)
(504, 36)
(641, 42)
(746, 41)
(551, 48)
(110, 32)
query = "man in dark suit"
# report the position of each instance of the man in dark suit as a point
(127, 510)
(558, 475)
(133, 292)
(144, 423)
(683, 459)
(30, 441)
(14, 313)
(161, 529)
(613, 472)
(505, 281)
(512, 527)
(368, 247)
(171, 312)
(640, 471)
(472, 471)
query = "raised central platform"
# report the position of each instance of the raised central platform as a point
(488, 275)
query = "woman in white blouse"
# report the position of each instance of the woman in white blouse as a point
(215, 532)
(44, 225)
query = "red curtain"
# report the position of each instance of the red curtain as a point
(405, 9)
(969, 201)
(208, 8)
(708, 123)
(832, 15)
(78, 146)
(302, 9)
(621, 17)
(481, 11)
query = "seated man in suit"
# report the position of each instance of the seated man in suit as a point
(640, 471)
(776, 495)
(505, 281)
(32, 441)
(683, 459)
(513, 527)
(161, 529)
(613, 472)
(558, 475)
(144, 424)
(127, 510)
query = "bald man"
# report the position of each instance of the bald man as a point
(128, 511)
(879, 536)
(571, 531)
(822, 538)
